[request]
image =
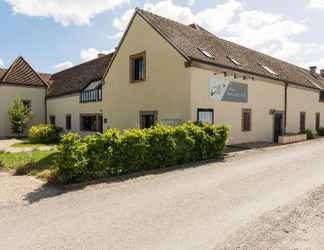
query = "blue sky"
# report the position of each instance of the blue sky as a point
(55, 34)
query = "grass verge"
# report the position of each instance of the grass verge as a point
(35, 163)
(28, 144)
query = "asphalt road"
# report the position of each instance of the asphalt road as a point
(204, 207)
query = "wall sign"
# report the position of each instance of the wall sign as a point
(227, 90)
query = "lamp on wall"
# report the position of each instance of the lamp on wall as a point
(272, 111)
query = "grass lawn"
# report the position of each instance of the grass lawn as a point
(28, 144)
(35, 163)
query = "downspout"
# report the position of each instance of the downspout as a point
(46, 105)
(286, 104)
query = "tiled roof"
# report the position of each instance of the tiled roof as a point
(21, 73)
(74, 79)
(188, 39)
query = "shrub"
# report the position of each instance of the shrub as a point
(309, 134)
(44, 133)
(116, 153)
(320, 131)
(19, 115)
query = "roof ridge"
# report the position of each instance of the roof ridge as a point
(81, 64)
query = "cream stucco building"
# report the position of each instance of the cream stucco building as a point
(163, 71)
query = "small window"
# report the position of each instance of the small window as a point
(318, 121)
(302, 122)
(206, 53)
(234, 61)
(52, 119)
(321, 96)
(68, 122)
(148, 119)
(138, 67)
(205, 116)
(269, 70)
(246, 120)
(27, 104)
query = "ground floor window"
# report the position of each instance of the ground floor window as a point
(52, 119)
(205, 116)
(318, 121)
(302, 122)
(91, 122)
(246, 120)
(68, 122)
(148, 118)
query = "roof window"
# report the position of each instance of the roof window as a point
(206, 53)
(234, 61)
(269, 70)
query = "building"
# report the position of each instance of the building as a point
(176, 73)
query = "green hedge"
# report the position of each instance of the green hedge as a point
(44, 133)
(320, 131)
(115, 153)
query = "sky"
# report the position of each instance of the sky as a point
(53, 35)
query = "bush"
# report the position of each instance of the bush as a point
(309, 134)
(320, 131)
(115, 153)
(44, 133)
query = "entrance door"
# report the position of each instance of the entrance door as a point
(278, 126)
(100, 124)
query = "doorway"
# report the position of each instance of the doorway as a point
(148, 118)
(278, 125)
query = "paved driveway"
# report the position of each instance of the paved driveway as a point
(195, 208)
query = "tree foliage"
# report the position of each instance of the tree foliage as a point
(19, 115)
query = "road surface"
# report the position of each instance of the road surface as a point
(271, 198)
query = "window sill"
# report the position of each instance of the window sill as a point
(137, 81)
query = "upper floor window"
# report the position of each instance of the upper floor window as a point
(322, 96)
(92, 93)
(234, 61)
(206, 53)
(137, 65)
(269, 70)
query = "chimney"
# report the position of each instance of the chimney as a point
(312, 70)
(100, 55)
(322, 72)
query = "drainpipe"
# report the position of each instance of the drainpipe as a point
(286, 103)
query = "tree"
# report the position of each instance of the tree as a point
(19, 115)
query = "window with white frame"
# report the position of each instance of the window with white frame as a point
(205, 116)
(234, 61)
(206, 53)
(269, 70)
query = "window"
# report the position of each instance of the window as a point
(318, 121)
(269, 70)
(148, 118)
(246, 120)
(206, 53)
(321, 96)
(52, 120)
(91, 122)
(88, 123)
(92, 93)
(137, 64)
(68, 122)
(302, 122)
(27, 104)
(237, 63)
(205, 116)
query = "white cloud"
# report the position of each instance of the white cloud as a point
(318, 4)
(63, 66)
(65, 12)
(191, 2)
(91, 53)
(214, 19)
(1, 63)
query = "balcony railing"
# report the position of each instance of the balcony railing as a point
(93, 95)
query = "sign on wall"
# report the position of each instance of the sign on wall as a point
(227, 90)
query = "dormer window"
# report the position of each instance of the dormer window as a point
(137, 65)
(269, 70)
(234, 61)
(206, 53)
(92, 93)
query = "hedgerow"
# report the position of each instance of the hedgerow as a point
(115, 153)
